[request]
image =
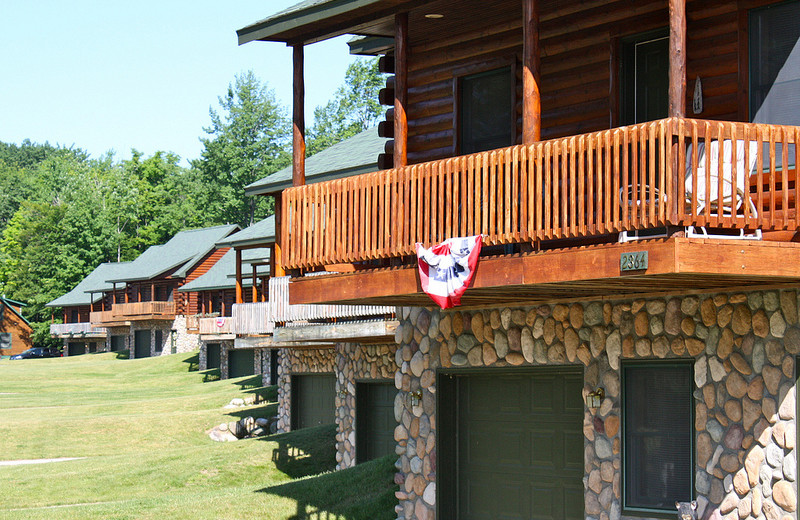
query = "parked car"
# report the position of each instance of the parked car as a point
(38, 352)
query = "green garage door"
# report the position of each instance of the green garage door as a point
(117, 343)
(512, 445)
(375, 421)
(240, 363)
(212, 355)
(76, 349)
(312, 400)
(141, 344)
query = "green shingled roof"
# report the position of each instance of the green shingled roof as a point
(353, 156)
(94, 282)
(182, 252)
(262, 232)
(222, 275)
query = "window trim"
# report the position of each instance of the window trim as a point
(490, 65)
(642, 511)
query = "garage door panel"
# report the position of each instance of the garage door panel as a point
(375, 422)
(312, 400)
(523, 460)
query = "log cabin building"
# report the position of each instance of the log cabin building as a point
(136, 303)
(631, 334)
(15, 331)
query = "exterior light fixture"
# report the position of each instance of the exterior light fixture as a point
(415, 398)
(434, 16)
(593, 399)
(343, 393)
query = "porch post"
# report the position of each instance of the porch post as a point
(400, 90)
(276, 254)
(255, 286)
(239, 298)
(299, 119)
(531, 66)
(677, 58)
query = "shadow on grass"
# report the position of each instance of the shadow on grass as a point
(123, 354)
(250, 382)
(266, 393)
(305, 452)
(266, 411)
(365, 492)
(210, 375)
(193, 362)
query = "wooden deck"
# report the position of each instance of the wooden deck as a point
(76, 329)
(623, 179)
(675, 265)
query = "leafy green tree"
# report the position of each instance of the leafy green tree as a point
(248, 139)
(353, 109)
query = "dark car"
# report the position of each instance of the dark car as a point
(38, 352)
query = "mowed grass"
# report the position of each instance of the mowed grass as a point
(140, 424)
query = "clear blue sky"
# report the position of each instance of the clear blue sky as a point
(109, 75)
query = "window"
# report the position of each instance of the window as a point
(658, 435)
(159, 341)
(74, 316)
(486, 111)
(5, 340)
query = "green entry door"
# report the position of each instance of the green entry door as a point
(141, 344)
(240, 363)
(312, 400)
(512, 445)
(375, 422)
(117, 343)
(212, 355)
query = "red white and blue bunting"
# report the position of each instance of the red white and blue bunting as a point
(446, 270)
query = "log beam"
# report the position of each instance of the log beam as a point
(298, 119)
(276, 255)
(239, 295)
(531, 67)
(677, 58)
(400, 90)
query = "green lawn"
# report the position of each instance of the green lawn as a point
(140, 424)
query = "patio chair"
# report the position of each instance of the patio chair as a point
(731, 202)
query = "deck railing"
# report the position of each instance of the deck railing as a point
(75, 329)
(101, 317)
(219, 325)
(261, 317)
(143, 309)
(622, 179)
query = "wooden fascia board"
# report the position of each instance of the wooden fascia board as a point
(746, 260)
(269, 342)
(292, 23)
(337, 331)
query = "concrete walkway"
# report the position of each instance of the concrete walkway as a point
(36, 461)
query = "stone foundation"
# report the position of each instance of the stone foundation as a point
(743, 349)
(180, 339)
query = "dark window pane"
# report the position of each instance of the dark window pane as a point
(658, 435)
(486, 111)
(159, 341)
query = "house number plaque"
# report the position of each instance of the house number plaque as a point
(633, 261)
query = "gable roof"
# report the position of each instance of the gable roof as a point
(95, 282)
(262, 232)
(10, 305)
(222, 275)
(180, 253)
(353, 156)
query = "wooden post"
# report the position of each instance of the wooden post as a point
(276, 255)
(255, 285)
(127, 297)
(531, 67)
(239, 296)
(677, 58)
(400, 90)
(299, 120)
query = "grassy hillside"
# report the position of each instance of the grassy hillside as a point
(140, 424)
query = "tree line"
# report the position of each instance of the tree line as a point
(62, 212)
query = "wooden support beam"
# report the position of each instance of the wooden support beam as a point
(531, 67)
(254, 292)
(276, 255)
(369, 330)
(239, 295)
(677, 58)
(299, 119)
(400, 90)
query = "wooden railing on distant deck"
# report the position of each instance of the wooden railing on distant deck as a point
(129, 310)
(63, 329)
(218, 325)
(101, 317)
(622, 179)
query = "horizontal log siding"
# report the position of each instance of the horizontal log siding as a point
(576, 64)
(592, 184)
